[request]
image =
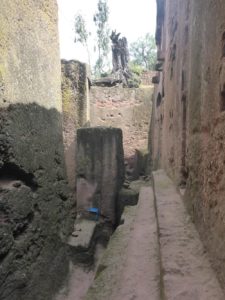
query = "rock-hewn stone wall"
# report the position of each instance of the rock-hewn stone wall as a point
(126, 108)
(146, 77)
(188, 121)
(35, 208)
(76, 109)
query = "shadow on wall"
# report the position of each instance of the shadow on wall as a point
(36, 210)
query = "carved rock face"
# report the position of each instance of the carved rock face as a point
(188, 124)
(35, 207)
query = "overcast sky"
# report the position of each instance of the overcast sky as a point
(133, 18)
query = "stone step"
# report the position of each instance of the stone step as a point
(129, 268)
(81, 243)
(187, 274)
(82, 235)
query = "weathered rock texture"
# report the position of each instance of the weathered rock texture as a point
(126, 108)
(188, 121)
(185, 269)
(34, 204)
(76, 109)
(146, 77)
(100, 169)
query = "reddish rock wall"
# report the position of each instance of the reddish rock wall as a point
(187, 130)
(126, 108)
(146, 77)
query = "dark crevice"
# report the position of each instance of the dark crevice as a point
(12, 172)
(183, 80)
(186, 35)
(173, 53)
(162, 271)
(223, 45)
(22, 226)
(159, 100)
(222, 99)
(3, 257)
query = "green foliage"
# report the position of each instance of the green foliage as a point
(134, 82)
(81, 33)
(135, 68)
(105, 74)
(143, 52)
(103, 41)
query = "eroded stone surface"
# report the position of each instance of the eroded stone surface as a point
(129, 268)
(126, 108)
(35, 207)
(189, 119)
(76, 110)
(187, 273)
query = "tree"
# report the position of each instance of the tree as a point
(81, 34)
(143, 52)
(103, 41)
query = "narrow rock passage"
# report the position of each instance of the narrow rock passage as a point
(156, 254)
(130, 267)
(187, 274)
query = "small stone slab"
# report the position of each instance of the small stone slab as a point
(82, 235)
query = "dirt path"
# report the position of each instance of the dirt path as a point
(187, 274)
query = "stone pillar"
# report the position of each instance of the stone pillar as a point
(75, 110)
(100, 169)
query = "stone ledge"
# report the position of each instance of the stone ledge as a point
(187, 273)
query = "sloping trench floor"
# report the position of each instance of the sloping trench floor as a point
(156, 254)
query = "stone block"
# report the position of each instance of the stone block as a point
(82, 235)
(100, 169)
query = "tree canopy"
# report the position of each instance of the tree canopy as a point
(143, 52)
(81, 33)
(103, 41)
